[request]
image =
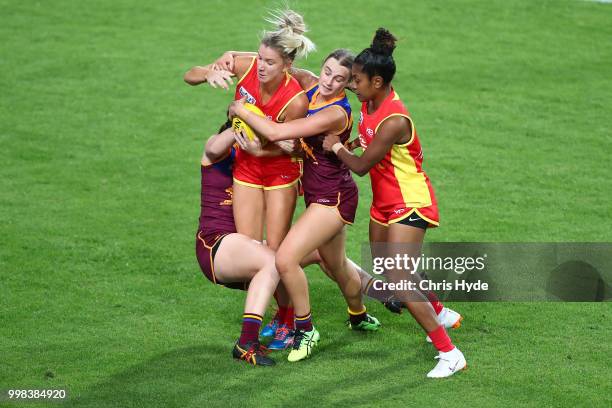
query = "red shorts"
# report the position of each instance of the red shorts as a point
(268, 173)
(429, 214)
(206, 258)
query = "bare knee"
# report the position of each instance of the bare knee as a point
(285, 262)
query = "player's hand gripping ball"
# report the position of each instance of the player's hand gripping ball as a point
(238, 124)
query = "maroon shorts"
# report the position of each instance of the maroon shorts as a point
(206, 258)
(345, 202)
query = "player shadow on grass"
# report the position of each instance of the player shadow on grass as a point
(206, 375)
(367, 385)
(178, 378)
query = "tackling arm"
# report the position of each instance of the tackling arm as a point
(392, 131)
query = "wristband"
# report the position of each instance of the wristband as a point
(336, 147)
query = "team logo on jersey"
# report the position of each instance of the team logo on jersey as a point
(230, 193)
(249, 98)
(370, 132)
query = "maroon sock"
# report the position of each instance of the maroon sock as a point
(303, 322)
(357, 317)
(251, 323)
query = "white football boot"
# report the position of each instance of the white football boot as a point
(448, 364)
(449, 319)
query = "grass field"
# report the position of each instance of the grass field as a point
(100, 291)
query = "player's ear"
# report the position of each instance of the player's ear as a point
(377, 81)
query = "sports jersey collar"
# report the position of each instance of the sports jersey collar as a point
(312, 105)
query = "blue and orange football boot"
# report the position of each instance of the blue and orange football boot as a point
(283, 338)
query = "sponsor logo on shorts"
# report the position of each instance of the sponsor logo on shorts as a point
(285, 177)
(399, 210)
(323, 200)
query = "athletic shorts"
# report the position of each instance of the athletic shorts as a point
(345, 202)
(426, 217)
(206, 258)
(268, 173)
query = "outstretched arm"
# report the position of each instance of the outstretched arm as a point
(392, 131)
(220, 72)
(226, 61)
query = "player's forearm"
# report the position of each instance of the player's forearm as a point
(304, 77)
(260, 125)
(355, 163)
(353, 144)
(270, 130)
(218, 145)
(197, 75)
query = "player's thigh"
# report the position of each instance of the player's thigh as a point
(279, 208)
(333, 252)
(378, 236)
(404, 240)
(316, 226)
(239, 258)
(378, 232)
(405, 234)
(248, 207)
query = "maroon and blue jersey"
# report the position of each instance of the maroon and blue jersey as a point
(326, 179)
(216, 216)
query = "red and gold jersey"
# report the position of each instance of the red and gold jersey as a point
(399, 184)
(248, 86)
(256, 171)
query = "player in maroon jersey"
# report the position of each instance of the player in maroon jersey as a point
(404, 204)
(220, 249)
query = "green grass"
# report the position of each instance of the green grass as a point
(100, 291)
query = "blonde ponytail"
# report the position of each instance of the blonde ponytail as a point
(288, 38)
